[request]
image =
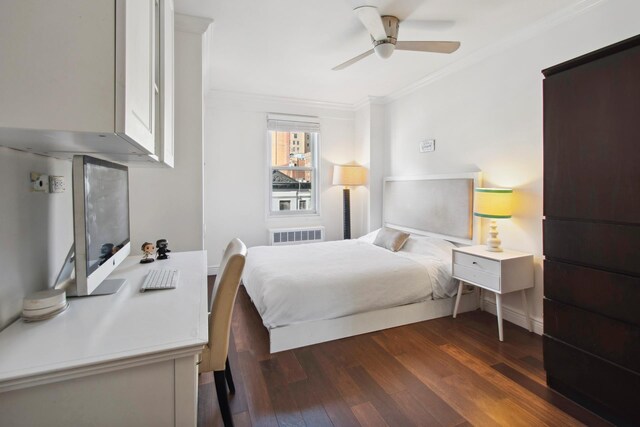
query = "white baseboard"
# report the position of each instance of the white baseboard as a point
(212, 270)
(514, 316)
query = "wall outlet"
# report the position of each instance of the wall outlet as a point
(39, 182)
(57, 184)
(427, 145)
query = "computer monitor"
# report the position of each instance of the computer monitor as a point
(100, 227)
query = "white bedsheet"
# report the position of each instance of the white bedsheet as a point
(300, 283)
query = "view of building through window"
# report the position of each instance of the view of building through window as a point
(293, 170)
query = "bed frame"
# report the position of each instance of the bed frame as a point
(432, 205)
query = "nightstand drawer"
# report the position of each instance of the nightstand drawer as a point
(476, 276)
(477, 263)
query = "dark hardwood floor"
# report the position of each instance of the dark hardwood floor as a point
(440, 372)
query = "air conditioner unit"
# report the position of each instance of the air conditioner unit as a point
(292, 236)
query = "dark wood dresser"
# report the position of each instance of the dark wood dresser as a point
(592, 230)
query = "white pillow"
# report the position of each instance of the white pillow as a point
(433, 246)
(392, 239)
(370, 237)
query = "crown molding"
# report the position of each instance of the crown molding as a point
(369, 100)
(526, 33)
(191, 24)
(214, 96)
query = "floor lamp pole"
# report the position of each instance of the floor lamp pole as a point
(346, 211)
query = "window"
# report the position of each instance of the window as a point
(293, 164)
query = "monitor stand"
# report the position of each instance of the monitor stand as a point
(109, 286)
(67, 281)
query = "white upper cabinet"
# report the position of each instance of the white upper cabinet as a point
(81, 76)
(166, 63)
(136, 25)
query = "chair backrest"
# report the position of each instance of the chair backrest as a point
(225, 290)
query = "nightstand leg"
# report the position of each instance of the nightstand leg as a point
(499, 313)
(455, 307)
(480, 300)
(525, 306)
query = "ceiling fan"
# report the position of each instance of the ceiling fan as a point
(384, 35)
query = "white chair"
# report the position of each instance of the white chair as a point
(215, 354)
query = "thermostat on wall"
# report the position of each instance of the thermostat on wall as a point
(427, 145)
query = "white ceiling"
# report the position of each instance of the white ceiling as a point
(288, 47)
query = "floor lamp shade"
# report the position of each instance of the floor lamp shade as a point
(493, 203)
(348, 175)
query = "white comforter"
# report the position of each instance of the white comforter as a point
(300, 283)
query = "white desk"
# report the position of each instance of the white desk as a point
(127, 359)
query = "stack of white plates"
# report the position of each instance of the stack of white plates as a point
(44, 305)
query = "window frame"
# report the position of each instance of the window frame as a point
(314, 170)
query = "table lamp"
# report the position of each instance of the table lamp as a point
(493, 203)
(348, 175)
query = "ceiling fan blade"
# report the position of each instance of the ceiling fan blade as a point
(372, 21)
(428, 24)
(353, 60)
(429, 46)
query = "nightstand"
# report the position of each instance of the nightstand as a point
(497, 272)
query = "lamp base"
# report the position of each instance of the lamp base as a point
(493, 243)
(346, 213)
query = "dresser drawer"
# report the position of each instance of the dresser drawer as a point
(613, 247)
(476, 276)
(613, 340)
(577, 373)
(611, 294)
(477, 263)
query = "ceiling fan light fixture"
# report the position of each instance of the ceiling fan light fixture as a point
(384, 36)
(384, 50)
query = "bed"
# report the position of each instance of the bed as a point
(316, 292)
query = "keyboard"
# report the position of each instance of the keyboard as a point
(165, 278)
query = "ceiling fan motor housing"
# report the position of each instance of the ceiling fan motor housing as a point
(384, 48)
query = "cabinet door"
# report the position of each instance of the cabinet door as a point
(166, 147)
(57, 74)
(135, 58)
(591, 134)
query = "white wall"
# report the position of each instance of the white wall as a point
(36, 229)
(362, 155)
(236, 174)
(371, 151)
(167, 203)
(488, 116)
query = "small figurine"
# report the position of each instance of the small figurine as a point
(147, 249)
(163, 249)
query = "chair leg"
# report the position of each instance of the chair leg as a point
(227, 373)
(221, 390)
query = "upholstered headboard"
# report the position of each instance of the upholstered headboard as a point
(433, 205)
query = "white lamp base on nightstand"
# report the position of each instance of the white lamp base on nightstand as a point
(493, 243)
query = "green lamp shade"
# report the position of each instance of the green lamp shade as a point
(493, 202)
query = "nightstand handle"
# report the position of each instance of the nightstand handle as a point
(474, 262)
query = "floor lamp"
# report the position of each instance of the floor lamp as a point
(348, 175)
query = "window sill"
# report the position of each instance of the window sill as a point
(292, 214)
